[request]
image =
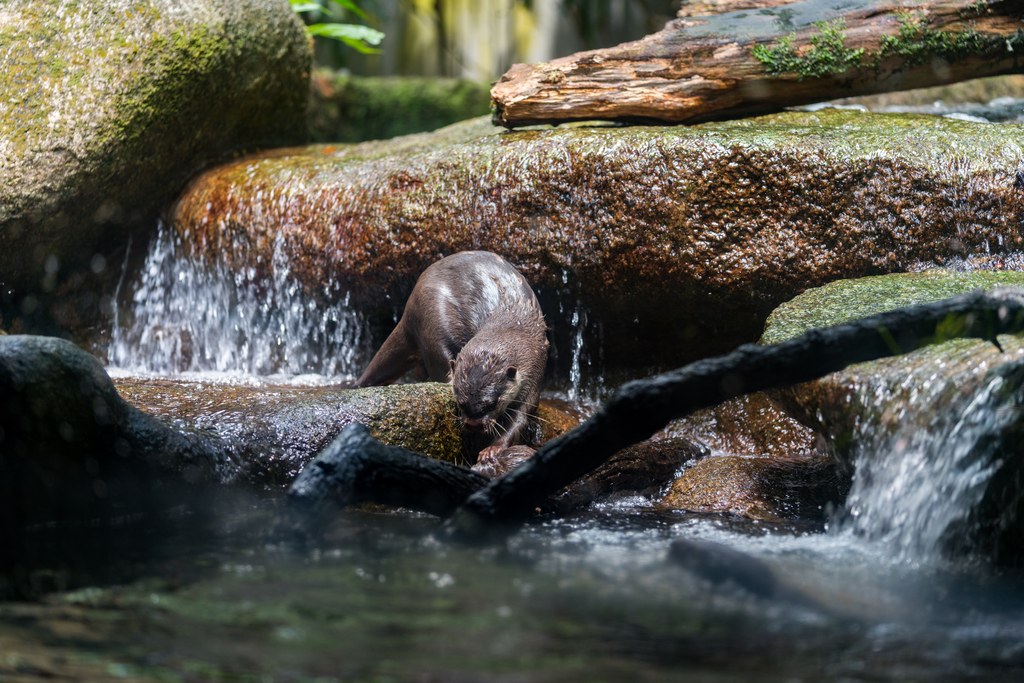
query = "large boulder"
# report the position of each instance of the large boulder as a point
(933, 436)
(108, 108)
(270, 432)
(679, 240)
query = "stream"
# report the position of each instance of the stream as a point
(208, 590)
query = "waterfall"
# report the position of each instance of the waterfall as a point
(918, 481)
(188, 316)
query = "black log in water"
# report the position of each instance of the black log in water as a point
(356, 468)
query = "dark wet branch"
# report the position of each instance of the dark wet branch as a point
(356, 468)
(642, 407)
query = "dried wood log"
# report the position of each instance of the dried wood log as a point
(642, 407)
(761, 60)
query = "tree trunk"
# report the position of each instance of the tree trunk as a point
(761, 60)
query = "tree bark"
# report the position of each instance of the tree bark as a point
(642, 407)
(758, 61)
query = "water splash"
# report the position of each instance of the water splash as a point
(579, 324)
(916, 483)
(188, 316)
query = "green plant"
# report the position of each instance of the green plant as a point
(362, 38)
(917, 44)
(825, 56)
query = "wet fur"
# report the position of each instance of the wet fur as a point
(472, 319)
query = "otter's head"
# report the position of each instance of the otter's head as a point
(484, 388)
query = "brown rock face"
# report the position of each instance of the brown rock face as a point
(763, 464)
(678, 240)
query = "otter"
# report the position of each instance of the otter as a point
(474, 321)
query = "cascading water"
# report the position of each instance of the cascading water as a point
(188, 316)
(916, 483)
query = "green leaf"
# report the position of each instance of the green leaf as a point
(351, 6)
(301, 6)
(350, 34)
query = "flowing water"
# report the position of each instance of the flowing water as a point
(912, 485)
(212, 592)
(187, 317)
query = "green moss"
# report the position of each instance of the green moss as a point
(915, 44)
(825, 57)
(975, 9)
(847, 300)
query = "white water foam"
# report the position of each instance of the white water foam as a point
(191, 317)
(913, 484)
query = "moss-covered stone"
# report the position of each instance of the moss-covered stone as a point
(106, 108)
(272, 432)
(345, 108)
(680, 240)
(842, 301)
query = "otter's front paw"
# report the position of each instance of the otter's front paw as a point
(494, 461)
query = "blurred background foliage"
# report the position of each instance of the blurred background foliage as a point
(478, 40)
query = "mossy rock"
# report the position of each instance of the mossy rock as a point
(968, 394)
(272, 432)
(836, 405)
(110, 107)
(679, 239)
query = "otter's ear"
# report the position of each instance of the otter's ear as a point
(451, 372)
(510, 374)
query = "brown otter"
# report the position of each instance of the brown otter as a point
(472, 319)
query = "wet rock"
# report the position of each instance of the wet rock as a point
(345, 108)
(110, 107)
(762, 464)
(769, 489)
(72, 452)
(643, 469)
(679, 240)
(933, 436)
(751, 425)
(271, 432)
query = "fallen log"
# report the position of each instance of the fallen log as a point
(760, 61)
(642, 407)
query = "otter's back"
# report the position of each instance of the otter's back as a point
(460, 294)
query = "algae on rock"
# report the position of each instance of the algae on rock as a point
(106, 108)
